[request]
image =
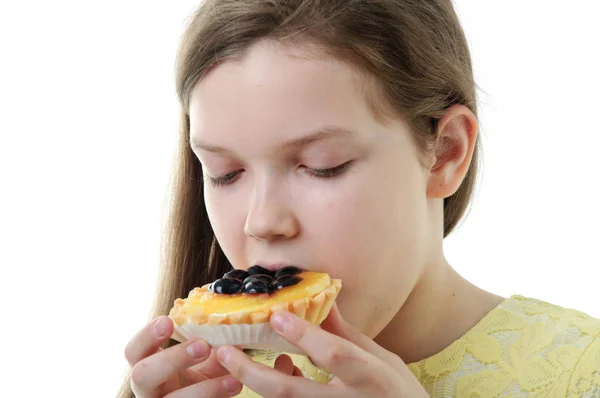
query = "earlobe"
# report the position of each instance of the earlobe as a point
(453, 151)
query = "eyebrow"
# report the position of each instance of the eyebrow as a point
(310, 138)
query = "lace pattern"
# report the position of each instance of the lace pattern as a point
(522, 348)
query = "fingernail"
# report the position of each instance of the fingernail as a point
(281, 321)
(160, 326)
(224, 354)
(231, 384)
(197, 349)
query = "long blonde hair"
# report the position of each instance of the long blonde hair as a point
(414, 51)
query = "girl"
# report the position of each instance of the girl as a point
(341, 136)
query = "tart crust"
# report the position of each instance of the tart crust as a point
(311, 306)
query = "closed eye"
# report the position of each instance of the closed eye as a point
(332, 172)
(226, 179)
(328, 173)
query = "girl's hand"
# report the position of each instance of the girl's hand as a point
(361, 367)
(188, 369)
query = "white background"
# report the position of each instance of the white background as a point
(88, 122)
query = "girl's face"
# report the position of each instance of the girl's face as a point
(299, 172)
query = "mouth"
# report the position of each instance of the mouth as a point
(274, 267)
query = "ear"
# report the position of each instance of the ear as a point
(453, 151)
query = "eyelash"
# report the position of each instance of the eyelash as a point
(329, 173)
(226, 179)
(323, 174)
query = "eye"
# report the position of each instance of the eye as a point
(226, 179)
(329, 173)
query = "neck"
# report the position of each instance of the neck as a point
(440, 309)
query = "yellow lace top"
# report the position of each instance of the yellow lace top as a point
(522, 348)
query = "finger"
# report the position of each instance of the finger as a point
(208, 369)
(268, 382)
(335, 324)
(284, 364)
(346, 360)
(149, 373)
(148, 340)
(221, 387)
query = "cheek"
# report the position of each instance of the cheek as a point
(368, 218)
(367, 234)
(226, 216)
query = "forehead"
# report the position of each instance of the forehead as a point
(275, 88)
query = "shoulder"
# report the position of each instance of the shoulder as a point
(568, 340)
(585, 380)
(552, 318)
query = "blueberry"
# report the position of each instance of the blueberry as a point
(258, 277)
(285, 281)
(258, 270)
(258, 286)
(289, 270)
(238, 274)
(227, 286)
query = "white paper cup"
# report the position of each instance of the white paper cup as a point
(258, 336)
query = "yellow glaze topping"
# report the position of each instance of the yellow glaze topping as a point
(200, 300)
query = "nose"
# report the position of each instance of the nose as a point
(271, 216)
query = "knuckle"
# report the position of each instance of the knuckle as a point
(336, 354)
(237, 371)
(139, 375)
(298, 332)
(382, 386)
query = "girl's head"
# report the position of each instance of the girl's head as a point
(335, 135)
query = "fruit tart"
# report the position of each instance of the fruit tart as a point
(236, 309)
